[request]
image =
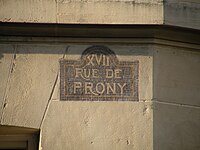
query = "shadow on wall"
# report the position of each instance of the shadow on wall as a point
(182, 136)
(5, 49)
(176, 127)
(1, 56)
(68, 49)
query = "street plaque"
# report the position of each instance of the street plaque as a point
(98, 76)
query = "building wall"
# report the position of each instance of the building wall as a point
(78, 11)
(166, 115)
(183, 13)
(176, 111)
(169, 12)
(31, 99)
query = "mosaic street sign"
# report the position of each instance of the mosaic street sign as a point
(98, 76)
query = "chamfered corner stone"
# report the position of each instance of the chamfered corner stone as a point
(182, 13)
(176, 75)
(175, 127)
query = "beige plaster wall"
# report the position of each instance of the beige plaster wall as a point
(82, 11)
(184, 13)
(177, 75)
(176, 103)
(176, 127)
(28, 78)
(98, 125)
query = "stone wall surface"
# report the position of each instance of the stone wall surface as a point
(166, 116)
(32, 76)
(170, 12)
(176, 75)
(31, 98)
(82, 11)
(98, 124)
(176, 103)
(28, 11)
(110, 12)
(176, 127)
(184, 13)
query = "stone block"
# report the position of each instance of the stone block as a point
(35, 11)
(182, 13)
(82, 11)
(176, 127)
(110, 11)
(31, 84)
(170, 12)
(177, 75)
(97, 125)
